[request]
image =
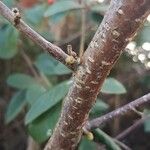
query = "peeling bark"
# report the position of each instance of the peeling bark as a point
(118, 27)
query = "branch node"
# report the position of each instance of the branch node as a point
(17, 16)
(72, 58)
(89, 135)
(137, 112)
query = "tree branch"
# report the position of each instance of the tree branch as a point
(119, 25)
(97, 122)
(55, 51)
(127, 131)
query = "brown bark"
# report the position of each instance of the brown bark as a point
(119, 25)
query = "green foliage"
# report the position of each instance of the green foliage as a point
(147, 122)
(61, 7)
(47, 101)
(35, 14)
(8, 42)
(8, 3)
(101, 8)
(143, 36)
(15, 106)
(33, 93)
(87, 145)
(41, 128)
(50, 66)
(21, 81)
(98, 108)
(112, 86)
(102, 137)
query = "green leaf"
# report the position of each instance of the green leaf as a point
(112, 86)
(87, 145)
(33, 93)
(35, 14)
(147, 121)
(15, 106)
(98, 108)
(62, 6)
(50, 66)
(8, 42)
(42, 127)
(102, 137)
(143, 35)
(8, 3)
(21, 81)
(47, 101)
(57, 17)
(101, 9)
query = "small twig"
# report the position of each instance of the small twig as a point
(72, 37)
(95, 123)
(137, 112)
(54, 50)
(132, 128)
(37, 75)
(83, 27)
(29, 63)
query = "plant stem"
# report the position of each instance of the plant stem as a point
(97, 122)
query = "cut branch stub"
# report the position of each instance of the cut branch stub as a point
(120, 24)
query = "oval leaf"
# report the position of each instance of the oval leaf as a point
(87, 145)
(15, 106)
(102, 137)
(50, 66)
(112, 86)
(33, 93)
(42, 127)
(62, 6)
(34, 15)
(47, 101)
(21, 81)
(8, 42)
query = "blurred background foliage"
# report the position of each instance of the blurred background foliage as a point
(33, 84)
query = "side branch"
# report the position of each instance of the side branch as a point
(54, 50)
(95, 123)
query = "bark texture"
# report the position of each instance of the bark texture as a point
(119, 25)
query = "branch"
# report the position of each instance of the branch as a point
(132, 128)
(55, 51)
(119, 25)
(97, 122)
(83, 27)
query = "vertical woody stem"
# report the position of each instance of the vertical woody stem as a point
(119, 25)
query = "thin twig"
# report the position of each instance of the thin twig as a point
(83, 27)
(95, 123)
(29, 63)
(54, 50)
(132, 128)
(38, 76)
